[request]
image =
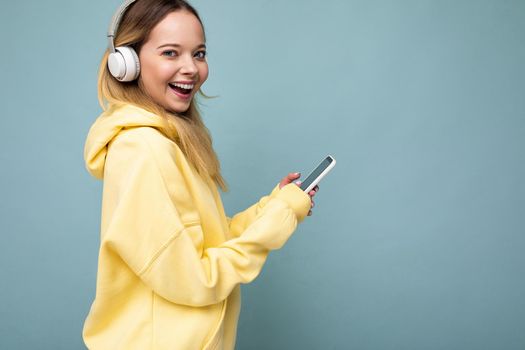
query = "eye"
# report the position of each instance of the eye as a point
(201, 54)
(168, 52)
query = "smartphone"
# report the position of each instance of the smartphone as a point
(317, 174)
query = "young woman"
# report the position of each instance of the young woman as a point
(170, 261)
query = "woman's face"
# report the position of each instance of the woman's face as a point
(173, 61)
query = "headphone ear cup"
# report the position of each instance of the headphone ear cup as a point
(124, 64)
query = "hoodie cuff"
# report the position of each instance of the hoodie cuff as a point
(275, 190)
(296, 198)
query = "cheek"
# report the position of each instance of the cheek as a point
(162, 71)
(155, 70)
(203, 73)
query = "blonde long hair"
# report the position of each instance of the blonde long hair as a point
(187, 128)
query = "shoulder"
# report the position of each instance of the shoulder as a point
(141, 140)
(145, 146)
(139, 136)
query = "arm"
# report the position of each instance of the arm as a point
(145, 230)
(240, 221)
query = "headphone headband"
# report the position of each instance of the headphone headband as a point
(115, 21)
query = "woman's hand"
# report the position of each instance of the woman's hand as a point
(294, 176)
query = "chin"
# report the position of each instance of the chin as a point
(179, 109)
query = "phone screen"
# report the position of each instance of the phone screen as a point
(315, 174)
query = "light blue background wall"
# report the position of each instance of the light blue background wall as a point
(417, 238)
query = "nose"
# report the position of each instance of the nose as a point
(188, 66)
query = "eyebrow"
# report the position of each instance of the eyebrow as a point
(177, 45)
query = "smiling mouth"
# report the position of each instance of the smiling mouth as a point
(183, 89)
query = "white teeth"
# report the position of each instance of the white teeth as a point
(184, 86)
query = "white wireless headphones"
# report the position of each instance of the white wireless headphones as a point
(123, 61)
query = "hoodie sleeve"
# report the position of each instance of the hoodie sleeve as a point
(144, 228)
(240, 221)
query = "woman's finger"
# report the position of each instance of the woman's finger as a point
(293, 176)
(289, 179)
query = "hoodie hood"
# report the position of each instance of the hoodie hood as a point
(108, 125)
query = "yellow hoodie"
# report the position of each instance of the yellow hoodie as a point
(170, 261)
